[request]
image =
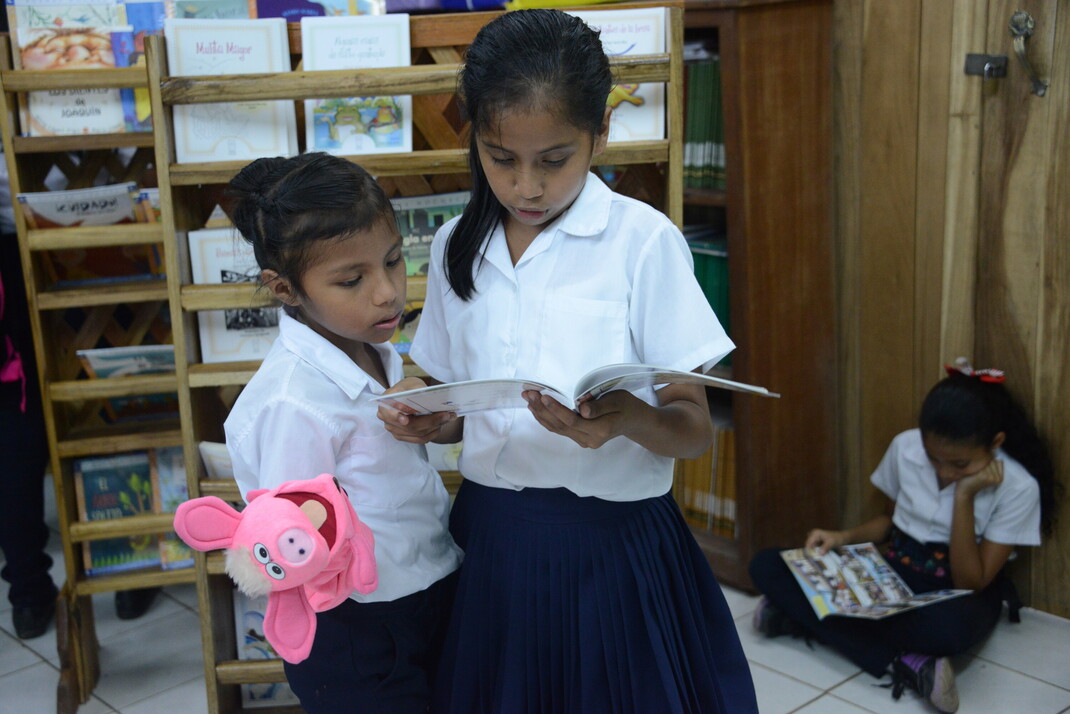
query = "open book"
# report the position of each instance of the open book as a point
(855, 581)
(483, 394)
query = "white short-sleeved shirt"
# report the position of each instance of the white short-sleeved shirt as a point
(304, 413)
(611, 280)
(1008, 514)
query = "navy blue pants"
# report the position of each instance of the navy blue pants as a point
(944, 629)
(374, 658)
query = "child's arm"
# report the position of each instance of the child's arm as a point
(679, 426)
(441, 428)
(875, 530)
(973, 565)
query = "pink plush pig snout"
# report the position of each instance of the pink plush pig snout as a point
(295, 546)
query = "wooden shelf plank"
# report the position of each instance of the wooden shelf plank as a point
(222, 374)
(119, 293)
(250, 671)
(148, 524)
(113, 442)
(434, 161)
(145, 578)
(705, 197)
(80, 389)
(25, 80)
(80, 142)
(227, 489)
(328, 84)
(222, 296)
(94, 236)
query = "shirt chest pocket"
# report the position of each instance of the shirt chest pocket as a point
(579, 334)
(385, 472)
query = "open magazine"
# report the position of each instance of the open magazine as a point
(483, 394)
(855, 581)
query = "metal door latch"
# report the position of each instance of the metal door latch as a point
(987, 66)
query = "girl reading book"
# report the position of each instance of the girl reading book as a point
(582, 588)
(966, 487)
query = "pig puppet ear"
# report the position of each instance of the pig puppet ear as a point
(206, 523)
(290, 624)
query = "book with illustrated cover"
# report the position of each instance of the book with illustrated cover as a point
(856, 581)
(357, 125)
(169, 472)
(419, 217)
(252, 644)
(638, 109)
(483, 394)
(105, 362)
(230, 131)
(111, 487)
(145, 17)
(92, 110)
(97, 206)
(211, 9)
(219, 255)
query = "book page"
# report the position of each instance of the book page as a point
(633, 377)
(468, 397)
(856, 581)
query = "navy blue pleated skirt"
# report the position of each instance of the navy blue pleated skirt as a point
(578, 605)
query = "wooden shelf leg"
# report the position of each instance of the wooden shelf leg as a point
(79, 652)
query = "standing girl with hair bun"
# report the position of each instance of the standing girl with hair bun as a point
(973, 481)
(582, 588)
(326, 240)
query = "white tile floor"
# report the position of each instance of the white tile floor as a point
(153, 665)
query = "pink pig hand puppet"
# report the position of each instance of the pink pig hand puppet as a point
(301, 544)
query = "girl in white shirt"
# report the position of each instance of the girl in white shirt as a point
(327, 242)
(973, 481)
(582, 588)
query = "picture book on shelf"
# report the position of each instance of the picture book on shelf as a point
(419, 217)
(169, 475)
(856, 581)
(357, 125)
(219, 255)
(252, 644)
(211, 9)
(638, 109)
(100, 205)
(110, 487)
(217, 463)
(483, 394)
(230, 131)
(145, 17)
(105, 362)
(90, 110)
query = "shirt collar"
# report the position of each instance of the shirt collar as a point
(314, 349)
(587, 216)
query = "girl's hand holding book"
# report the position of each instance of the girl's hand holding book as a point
(405, 424)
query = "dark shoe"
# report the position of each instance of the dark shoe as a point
(32, 620)
(132, 604)
(931, 677)
(771, 621)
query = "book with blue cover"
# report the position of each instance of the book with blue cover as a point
(110, 487)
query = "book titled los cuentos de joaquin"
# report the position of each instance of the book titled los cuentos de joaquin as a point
(219, 255)
(357, 125)
(484, 394)
(638, 109)
(856, 581)
(230, 131)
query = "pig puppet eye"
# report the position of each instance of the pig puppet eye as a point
(260, 552)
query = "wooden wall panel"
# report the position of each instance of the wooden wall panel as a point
(888, 146)
(848, 22)
(1050, 583)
